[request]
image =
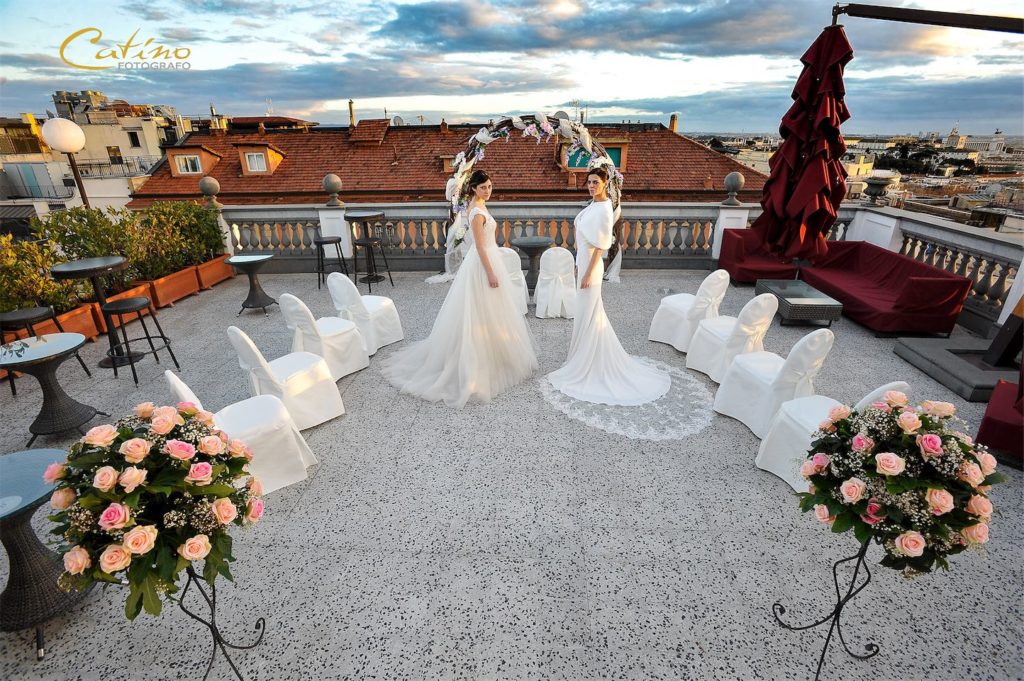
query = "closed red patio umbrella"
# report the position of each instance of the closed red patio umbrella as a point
(807, 179)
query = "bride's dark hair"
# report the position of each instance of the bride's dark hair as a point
(599, 171)
(475, 180)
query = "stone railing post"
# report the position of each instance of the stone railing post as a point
(332, 215)
(876, 228)
(731, 214)
(1014, 295)
(210, 187)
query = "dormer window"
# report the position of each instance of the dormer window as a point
(256, 162)
(188, 164)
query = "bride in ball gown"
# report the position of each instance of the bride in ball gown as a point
(480, 344)
(598, 369)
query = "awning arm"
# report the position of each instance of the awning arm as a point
(921, 16)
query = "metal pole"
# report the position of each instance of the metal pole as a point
(78, 180)
(981, 22)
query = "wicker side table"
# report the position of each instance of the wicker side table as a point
(799, 302)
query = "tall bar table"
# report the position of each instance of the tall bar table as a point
(92, 269)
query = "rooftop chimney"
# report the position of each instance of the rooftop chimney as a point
(262, 129)
(673, 122)
(351, 115)
(444, 127)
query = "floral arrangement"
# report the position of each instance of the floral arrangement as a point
(904, 476)
(139, 501)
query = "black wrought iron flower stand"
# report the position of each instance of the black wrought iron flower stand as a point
(833, 618)
(218, 640)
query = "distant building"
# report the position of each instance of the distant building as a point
(954, 139)
(872, 144)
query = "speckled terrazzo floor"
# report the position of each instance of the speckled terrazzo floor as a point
(507, 541)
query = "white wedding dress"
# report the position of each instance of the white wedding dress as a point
(480, 344)
(598, 368)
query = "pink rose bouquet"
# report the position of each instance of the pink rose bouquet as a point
(904, 476)
(139, 501)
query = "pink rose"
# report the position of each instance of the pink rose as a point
(100, 436)
(200, 473)
(144, 410)
(169, 412)
(938, 409)
(839, 413)
(881, 406)
(827, 426)
(874, 507)
(182, 451)
(964, 437)
(114, 517)
(62, 498)
(910, 544)
(187, 408)
(105, 478)
(140, 539)
(807, 469)
(77, 560)
(115, 558)
(887, 463)
(975, 534)
(135, 449)
(255, 486)
(211, 445)
(971, 474)
(161, 425)
(254, 510)
(908, 422)
(222, 435)
(224, 510)
(987, 462)
(821, 513)
(820, 461)
(939, 501)
(205, 417)
(131, 478)
(195, 548)
(980, 506)
(930, 445)
(873, 515)
(895, 398)
(862, 443)
(248, 453)
(236, 448)
(54, 472)
(870, 519)
(852, 490)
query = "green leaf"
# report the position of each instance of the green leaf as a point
(90, 501)
(900, 485)
(132, 500)
(217, 490)
(844, 521)
(88, 460)
(995, 479)
(150, 599)
(133, 606)
(862, 531)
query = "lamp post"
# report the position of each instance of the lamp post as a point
(67, 137)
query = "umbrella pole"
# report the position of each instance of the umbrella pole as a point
(981, 22)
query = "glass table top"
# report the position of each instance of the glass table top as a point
(795, 291)
(21, 478)
(37, 349)
(87, 267)
(242, 259)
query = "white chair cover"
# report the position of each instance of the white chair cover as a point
(514, 266)
(677, 317)
(757, 383)
(336, 340)
(301, 380)
(376, 317)
(785, 445)
(280, 453)
(555, 294)
(717, 341)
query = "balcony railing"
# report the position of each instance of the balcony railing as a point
(128, 167)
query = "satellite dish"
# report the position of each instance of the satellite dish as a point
(397, 120)
(562, 115)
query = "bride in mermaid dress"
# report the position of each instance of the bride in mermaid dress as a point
(480, 344)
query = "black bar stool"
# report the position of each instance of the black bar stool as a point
(368, 242)
(16, 320)
(138, 305)
(319, 242)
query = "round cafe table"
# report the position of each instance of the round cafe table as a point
(92, 269)
(250, 264)
(533, 247)
(39, 356)
(31, 596)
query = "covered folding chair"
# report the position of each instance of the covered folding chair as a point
(757, 383)
(555, 294)
(376, 317)
(717, 341)
(514, 267)
(335, 339)
(678, 315)
(301, 380)
(280, 453)
(785, 445)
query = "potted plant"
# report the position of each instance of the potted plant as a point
(163, 260)
(203, 242)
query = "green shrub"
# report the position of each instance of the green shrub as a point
(25, 279)
(90, 233)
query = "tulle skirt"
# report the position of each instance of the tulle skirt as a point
(479, 345)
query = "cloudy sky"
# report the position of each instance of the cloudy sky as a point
(723, 65)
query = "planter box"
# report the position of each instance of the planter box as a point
(213, 272)
(174, 287)
(140, 289)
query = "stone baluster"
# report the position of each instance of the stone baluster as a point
(688, 238)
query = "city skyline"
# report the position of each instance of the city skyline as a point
(719, 65)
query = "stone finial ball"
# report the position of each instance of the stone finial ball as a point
(209, 186)
(332, 183)
(734, 181)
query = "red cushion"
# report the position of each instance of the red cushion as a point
(1002, 427)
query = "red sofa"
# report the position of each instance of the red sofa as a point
(744, 257)
(886, 291)
(1002, 428)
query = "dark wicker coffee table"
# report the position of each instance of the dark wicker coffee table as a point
(250, 264)
(31, 596)
(799, 302)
